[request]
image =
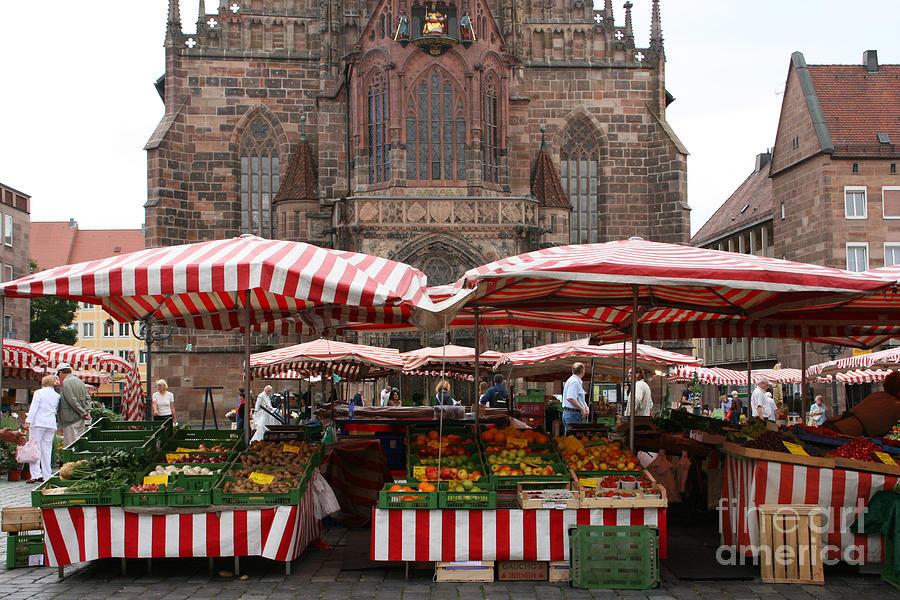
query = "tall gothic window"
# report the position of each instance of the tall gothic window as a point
(578, 172)
(490, 160)
(376, 136)
(435, 131)
(259, 179)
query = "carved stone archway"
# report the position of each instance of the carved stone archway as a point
(442, 257)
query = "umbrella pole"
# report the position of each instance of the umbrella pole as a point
(634, 332)
(803, 391)
(247, 396)
(148, 340)
(624, 370)
(591, 393)
(749, 375)
(477, 404)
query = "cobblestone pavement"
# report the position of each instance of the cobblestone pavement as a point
(340, 573)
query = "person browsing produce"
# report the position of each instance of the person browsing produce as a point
(41, 425)
(643, 401)
(737, 408)
(496, 396)
(816, 413)
(163, 402)
(759, 403)
(575, 408)
(442, 394)
(74, 404)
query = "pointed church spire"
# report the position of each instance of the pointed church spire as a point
(546, 186)
(201, 15)
(655, 27)
(629, 32)
(299, 181)
(173, 23)
(607, 6)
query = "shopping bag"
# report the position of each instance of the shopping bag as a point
(662, 470)
(682, 470)
(325, 500)
(28, 453)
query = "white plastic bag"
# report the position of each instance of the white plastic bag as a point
(28, 453)
(325, 500)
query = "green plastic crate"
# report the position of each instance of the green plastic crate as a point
(389, 499)
(108, 498)
(178, 497)
(511, 483)
(144, 498)
(201, 435)
(606, 421)
(889, 574)
(614, 557)
(291, 497)
(20, 546)
(483, 500)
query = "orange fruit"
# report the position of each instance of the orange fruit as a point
(426, 487)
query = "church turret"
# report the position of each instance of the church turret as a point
(201, 15)
(608, 8)
(656, 39)
(629, 31)
(173, 23)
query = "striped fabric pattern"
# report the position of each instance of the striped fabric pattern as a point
(295, 287)
(454, 357)
(134, 407)
(21, 355)
(341, 358)
(81, 358)
(884, 358)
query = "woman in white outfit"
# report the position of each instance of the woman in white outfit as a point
(41, 426)
(261, 418)
(163, 402)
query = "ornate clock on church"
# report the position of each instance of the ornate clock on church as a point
(435, 28)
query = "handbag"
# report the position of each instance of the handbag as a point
(28, 453)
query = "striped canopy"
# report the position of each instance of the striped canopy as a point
(555, 360)
(21, 355)
(709, 375)
(293, 287)
(352, 361)
(889, 358)
(453, 359)
(675, 284)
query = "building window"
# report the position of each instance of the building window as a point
(855, 202)
(578, 171)
(891, 254)
(124, 329)
(8, 330)
(8, 273)
(109, 328)
(890, 202)
(8, 230)
(795, 142)
(854, 168)
(87, 330)
(893, 168)
(435, 131)
(857, 257)
(142, 357)
(782, 210)
(122, 354)
(376, 130)
(259, 178)
(490, 132)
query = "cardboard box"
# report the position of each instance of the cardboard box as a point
(521, 570)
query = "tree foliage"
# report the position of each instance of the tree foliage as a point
(51, 318)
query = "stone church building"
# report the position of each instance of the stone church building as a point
(441, 134)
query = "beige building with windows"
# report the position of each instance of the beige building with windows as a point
(58, 243)
(15, 233)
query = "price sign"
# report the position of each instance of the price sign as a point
(291, 448)
(516, 443)
(170, 458)
(418, 471)
(588, 483)
(262, 478)
(795, 449)
(886, 458)
(188, 450)
(157, 479)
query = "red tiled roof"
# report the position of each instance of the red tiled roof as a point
(545, 184)
(755, 193)
(57, 243)
(858, 105)
(51, 243)
(299, 181)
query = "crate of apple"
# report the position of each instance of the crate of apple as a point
(526, 470)
(434, 439)
(606, 457)
(435, 451)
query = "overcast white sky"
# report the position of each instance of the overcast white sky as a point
(77, 101)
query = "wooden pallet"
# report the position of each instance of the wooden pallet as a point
(791, 543)
(462, 572)
(782, 457)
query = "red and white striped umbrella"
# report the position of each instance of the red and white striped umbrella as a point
(347, 360)
(21, 355)
(134, 406)
(293, 287)
(709, 375)
(555, 360)
(79, 358)
(889, 358)
(452, 358)
(862, 376)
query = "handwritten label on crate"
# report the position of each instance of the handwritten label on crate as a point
(516, 443)
(170, 458)
(795, 449)
(418, 471)
(157, 479)
(886, 458)
(262, 478)
(291, 448)
(588, 483)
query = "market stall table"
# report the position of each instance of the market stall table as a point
(514, 534)
(78, 534)
(750, 482)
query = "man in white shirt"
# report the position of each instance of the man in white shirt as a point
(575, 409)
(643, 401)
(385, 394)
(759, 403)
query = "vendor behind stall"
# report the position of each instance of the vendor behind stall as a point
(575, 409)
(875, 415)
(496, 396)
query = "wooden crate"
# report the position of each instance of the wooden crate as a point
(521, 570)
(463, 572)
(791, 543)
(558, 571)
(25, 518)
(661, 502)
(547, 499)
(825, 462)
